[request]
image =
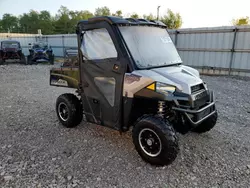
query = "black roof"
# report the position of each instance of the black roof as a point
(122, 21)
(10, 41)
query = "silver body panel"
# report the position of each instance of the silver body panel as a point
(181, 76)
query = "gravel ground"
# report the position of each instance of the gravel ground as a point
(36, 151)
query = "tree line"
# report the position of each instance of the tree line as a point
(241, 21)
(65, 20)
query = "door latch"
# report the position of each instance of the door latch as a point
(116, 67)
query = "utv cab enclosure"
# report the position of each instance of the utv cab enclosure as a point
(131, 75)
(11, 50)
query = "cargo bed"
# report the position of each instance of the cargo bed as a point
(64, 77)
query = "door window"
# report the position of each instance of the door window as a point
(107, 86)
(97, 44)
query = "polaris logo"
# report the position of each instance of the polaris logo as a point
(59, 82)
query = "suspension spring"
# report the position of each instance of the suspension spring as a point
(161, 109)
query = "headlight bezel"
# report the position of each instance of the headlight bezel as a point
(163, 88)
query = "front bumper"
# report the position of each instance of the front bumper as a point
(10, 55)
(40, 57)
(195, 117)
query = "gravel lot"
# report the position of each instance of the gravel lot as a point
(36, 151)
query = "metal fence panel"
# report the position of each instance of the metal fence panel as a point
(70, 41)
(243, 40)
(205, 59)
(56, 43)
(241, 61)
(218, 48)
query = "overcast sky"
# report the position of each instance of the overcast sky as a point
(195, 13)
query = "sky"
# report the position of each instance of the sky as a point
(195, 13)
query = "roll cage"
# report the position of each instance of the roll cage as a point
(115, 22)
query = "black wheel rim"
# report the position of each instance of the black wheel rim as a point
(150, 142)
(63, 111)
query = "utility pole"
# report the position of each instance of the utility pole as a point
(158, 12)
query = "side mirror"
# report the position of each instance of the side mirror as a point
(30, 44)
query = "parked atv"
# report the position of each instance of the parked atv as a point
(130, 74)
(40, 52)
(11, 50)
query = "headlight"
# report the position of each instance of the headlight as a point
(165, 88)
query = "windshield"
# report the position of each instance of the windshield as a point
(150, 46)
(40, 46)
(10, 44)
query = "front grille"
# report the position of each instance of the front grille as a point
(10, 49)
(201, 99)
(40, 55)
(197, 88)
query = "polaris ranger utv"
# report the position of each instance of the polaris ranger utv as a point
(131, 75)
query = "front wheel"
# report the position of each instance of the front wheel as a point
(206, 125)
(155, 140)
(69, 110)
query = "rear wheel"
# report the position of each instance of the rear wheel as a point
(155, 140)
(69, 110)
(206, 125)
